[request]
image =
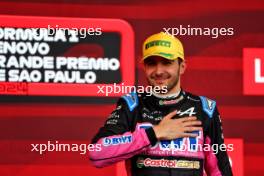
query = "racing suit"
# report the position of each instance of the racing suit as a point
(128, 135)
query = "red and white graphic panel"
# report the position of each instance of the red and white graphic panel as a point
(50, 56)
(253, 71)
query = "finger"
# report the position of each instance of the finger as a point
(191, 129)
(189, 134)
(191, 118)
(170, 115)
(192, 123)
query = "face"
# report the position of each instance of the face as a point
(163, 72)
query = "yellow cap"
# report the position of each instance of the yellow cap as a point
(163, 45)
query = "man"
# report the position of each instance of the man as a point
(163, 134)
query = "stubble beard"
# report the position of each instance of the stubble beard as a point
(173, 83)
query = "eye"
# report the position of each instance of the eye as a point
(167, 62)
(150, 62)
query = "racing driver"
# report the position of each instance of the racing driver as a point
(163, 134)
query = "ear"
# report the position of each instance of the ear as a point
(183, 66)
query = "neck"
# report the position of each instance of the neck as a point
(167, 95)
(176, 89)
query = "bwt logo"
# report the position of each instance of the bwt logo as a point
(117, 140)
(253, 71)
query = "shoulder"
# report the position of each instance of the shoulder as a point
(131, 100)
(208, 105)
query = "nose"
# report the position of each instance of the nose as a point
(159, 69)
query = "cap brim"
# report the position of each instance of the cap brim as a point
(161, 55)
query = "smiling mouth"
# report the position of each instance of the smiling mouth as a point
(160, 81)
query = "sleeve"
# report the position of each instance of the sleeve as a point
(216, 158)
(115, 138)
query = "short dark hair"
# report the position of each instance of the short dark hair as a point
(179, 60)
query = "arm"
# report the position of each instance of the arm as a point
(117, 141)
(216, 162)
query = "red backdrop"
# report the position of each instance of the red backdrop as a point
(214, 70)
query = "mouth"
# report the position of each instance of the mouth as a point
(160, 80)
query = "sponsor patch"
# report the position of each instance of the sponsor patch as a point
(158, 43)
(182, 164)
(117, 140)
(118, 107)
(114, 115)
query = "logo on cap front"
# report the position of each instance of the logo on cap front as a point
(158, 43)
